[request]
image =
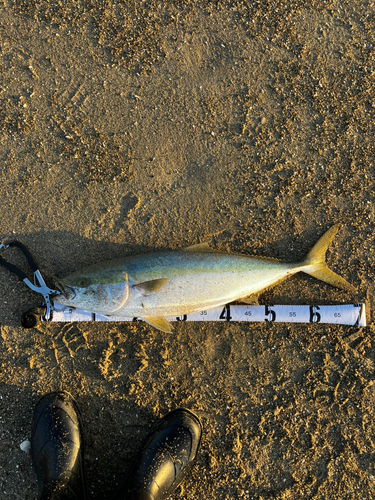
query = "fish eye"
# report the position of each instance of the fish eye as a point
(83, 282)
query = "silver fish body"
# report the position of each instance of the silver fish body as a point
(158, 285)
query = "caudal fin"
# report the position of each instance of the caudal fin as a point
(315, 262)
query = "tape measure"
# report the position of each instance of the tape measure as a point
(341, 314)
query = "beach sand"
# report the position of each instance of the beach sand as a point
(127, 127)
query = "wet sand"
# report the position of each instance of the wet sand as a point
(127, 127)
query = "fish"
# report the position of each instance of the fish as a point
(158, 285)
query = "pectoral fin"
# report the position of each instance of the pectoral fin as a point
(149, 287)
(159, 322)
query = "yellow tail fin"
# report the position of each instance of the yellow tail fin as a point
(316, 266)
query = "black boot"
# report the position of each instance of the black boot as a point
(57, 448)
(166, 455)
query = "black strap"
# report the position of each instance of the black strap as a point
(12, 268)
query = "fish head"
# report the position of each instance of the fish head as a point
(103, 292)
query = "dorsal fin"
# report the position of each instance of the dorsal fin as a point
(199, 248)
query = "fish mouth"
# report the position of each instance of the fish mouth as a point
(67, 293)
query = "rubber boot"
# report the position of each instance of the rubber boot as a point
(166, 456)
(57, 448)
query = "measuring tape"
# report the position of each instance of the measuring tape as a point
(342, 314)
